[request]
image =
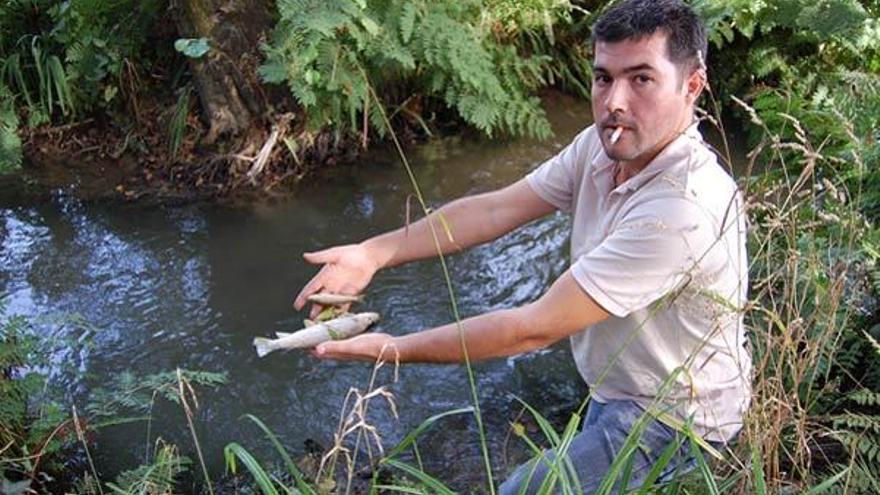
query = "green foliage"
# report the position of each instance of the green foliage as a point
(331, 53)
(10, 143)
(127, 393)
(818, 61)
(32, 421)
(177, 127)
(159, 476)
(557, 30)
(66, 57)
(192, 47)
(811, 254)
(858, 427)
(35, 426)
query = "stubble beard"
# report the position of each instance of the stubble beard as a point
(620, 154)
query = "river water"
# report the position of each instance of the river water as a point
(168, 287)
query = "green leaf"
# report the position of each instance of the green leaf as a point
(288, 462)
(370, 25)
(758, 472)
(410, 438)
(273, 72)
(429, 481)
(825, 485)
(192, 47)
(407, 21)
(233, 450)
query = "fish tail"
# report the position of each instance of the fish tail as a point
(263, 346)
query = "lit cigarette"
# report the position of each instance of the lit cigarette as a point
(616, 135)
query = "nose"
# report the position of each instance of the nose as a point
(616, 97)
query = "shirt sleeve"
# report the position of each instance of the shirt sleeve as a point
(657, 247)
(554, 181)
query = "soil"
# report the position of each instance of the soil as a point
(105, 159)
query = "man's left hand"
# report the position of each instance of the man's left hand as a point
(366, 347)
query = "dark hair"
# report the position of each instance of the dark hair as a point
(635, 19)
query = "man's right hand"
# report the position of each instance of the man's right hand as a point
(347, 270)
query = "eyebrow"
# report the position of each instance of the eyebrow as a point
(634, 68)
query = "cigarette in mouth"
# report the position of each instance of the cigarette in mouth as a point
(616, 135)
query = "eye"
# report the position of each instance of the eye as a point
(642, 79)
(602, 79)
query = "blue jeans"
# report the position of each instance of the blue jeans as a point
(593, 450)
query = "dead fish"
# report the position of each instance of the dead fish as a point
(340, 328)
(327, 299)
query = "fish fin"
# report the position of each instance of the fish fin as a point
(281, 335)
(263, 346)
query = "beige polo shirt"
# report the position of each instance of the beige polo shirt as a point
(664, 253)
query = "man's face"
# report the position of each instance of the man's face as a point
(636, 86)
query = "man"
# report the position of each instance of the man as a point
(651, 300)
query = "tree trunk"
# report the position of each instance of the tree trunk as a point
(226, 77)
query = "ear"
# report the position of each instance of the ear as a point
(695, 84)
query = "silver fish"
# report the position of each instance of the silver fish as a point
(327, 299)
(344, 327)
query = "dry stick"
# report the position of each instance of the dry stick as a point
(192, 428)
(39, 455)
(467, 361)
(82, 438)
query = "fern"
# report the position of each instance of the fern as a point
(128, 393)
(159, 476)
(10, 143)
(329, 53)
(858, 429)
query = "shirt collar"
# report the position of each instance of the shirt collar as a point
(678, 149)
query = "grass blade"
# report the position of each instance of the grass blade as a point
(233, 450)
(825, 485)
(758, 472)
(433, 483)
(658, 467)
(400, 489)
(288, 462)
(547, 429)
(703, 466)
(410, 438)
(62, 89)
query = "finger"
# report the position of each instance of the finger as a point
(315, 311)
(314, 285)
(330, 350)
(320, 257)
